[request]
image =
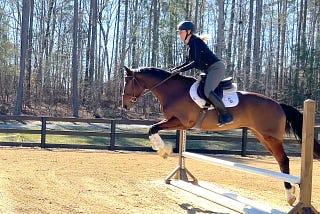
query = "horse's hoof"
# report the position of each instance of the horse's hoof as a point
(162, 153)
(291, 198)
(165, 152)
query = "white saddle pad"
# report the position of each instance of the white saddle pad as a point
(230, 97)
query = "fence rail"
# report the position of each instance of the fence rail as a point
(113, 135)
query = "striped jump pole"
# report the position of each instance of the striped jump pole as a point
(180, 173)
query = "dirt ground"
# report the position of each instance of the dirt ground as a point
(89, 181)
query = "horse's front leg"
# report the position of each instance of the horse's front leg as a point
(157, 143)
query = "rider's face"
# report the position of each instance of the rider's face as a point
(183, 34)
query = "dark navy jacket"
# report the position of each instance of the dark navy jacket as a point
(200, 56)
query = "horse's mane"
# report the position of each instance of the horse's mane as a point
(155, 71)
(162, 73)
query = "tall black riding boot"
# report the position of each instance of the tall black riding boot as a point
(224, 116)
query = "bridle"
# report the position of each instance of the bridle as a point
(134, 98)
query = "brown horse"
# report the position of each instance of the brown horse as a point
(266, 118)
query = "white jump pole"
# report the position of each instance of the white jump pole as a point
(244, 168)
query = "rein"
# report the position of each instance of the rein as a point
(134, 98)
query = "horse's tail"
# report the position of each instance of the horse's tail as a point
(294, 120)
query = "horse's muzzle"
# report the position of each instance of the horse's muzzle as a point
(127, 106)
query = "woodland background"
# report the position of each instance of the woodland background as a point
(66, 57)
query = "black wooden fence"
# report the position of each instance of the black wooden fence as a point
(112, 135)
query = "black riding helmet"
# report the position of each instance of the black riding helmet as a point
(186, 25)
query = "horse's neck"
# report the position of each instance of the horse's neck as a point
(165, 88)
(146, 81)
(156, 84)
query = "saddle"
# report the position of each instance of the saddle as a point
(226, 90)
(224, 84)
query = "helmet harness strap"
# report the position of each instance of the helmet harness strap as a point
(187, 35)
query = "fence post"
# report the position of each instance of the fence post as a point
(316, 132)
(244, 142)
(43, 132)
(113, 135)
(307, 152)
(176, 149)
(304, 205)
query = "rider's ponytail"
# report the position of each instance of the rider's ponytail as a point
(204, 37)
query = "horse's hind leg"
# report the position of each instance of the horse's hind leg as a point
(290, 190)
(275, 147)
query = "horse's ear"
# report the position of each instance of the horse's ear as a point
(128, 71)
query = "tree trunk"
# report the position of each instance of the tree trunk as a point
(283, 44)
(196, 14)
(116, 44)
(28, 59)
(75, 63)
(269, 69)
(230, 37)
(124, 35)
(256, 49)
(47, 78)
(220, 31)
(93, 41)
(239, 49)
(88, 53)
(155, 34)
(247, 63)
(23, 53)
(134, 54)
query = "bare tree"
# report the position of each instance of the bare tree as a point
(220, 31)
(28, 58)
(124, 35)
(134, 42)
(116, 44)
(247, 67)
(239, 48)
(256, 49)
(75, 62)
(283, 24)
(93, 43)
(272, 49)
(230, 37)
(23, 53)
(155, 32)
